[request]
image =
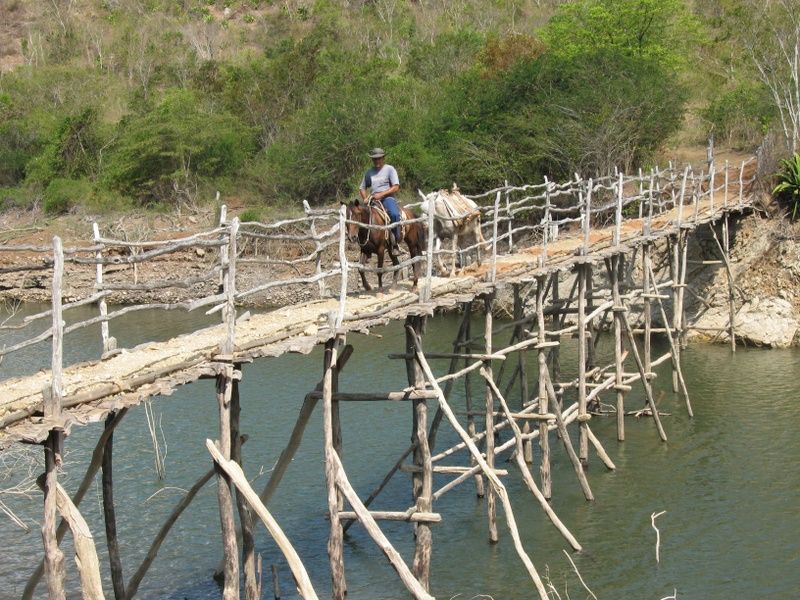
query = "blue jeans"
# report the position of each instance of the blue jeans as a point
(390, 204)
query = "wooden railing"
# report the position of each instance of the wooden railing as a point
(314, 246)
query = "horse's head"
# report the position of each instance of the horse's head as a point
(428, 201)
(356, 213)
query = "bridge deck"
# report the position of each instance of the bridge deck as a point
(93, 389)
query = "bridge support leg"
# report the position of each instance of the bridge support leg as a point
(480, 490)
(522, 370)
(491, 497)
(583, 417)
(109, 514)
(230, 590)
(336, 539)
(544, 438)
(675, 244)
(422, 478)
(252, 590)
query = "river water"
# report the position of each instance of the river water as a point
(729, 481)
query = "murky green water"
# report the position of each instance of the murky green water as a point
(729, 480)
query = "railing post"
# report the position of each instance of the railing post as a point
(427, 291)
(101, 304)
(741, 186)
(587, 217)
(711, 177)
(683, 194)
(641, 190)
(317, 249)
(494, 237)
(671, 183)
(230, 288)
(342, 265)
(545, 222)
(510, 223)
(725, 197)
(53, 557)
(618, 213)
(223, 251)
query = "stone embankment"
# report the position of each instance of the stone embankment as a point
(765, 262)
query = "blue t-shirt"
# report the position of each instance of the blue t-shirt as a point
(380, 180)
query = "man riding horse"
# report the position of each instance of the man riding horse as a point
(382, 181)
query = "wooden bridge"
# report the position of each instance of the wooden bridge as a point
(540, 236)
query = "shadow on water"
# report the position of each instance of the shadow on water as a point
(728, 480)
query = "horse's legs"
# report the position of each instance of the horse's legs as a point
(437, 250)
(380, 266)
(478, 240)
(395, 262)
(363, 260)
(454, 246)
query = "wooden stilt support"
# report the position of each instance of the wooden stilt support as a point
(252, 589)
(522, 368)
(230, 586)
(491, 500)
(620, 314)
(544, 438)
(724, 252)
(422, 479)
(583, 417)
(526, 474)
(237, 477)
(335, 541)
(480, 490)
(619, 367)
(488, 473)
(53, 557)
(109, 514)
(83, 542)
(674, 271)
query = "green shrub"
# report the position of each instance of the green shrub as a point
(172, 145)
(62, 194)
(788, 188)
(250, 215)
(741, 116)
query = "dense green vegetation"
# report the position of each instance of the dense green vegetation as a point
(157, 102)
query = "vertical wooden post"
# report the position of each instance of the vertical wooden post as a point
(252, 588)
(495, 223)
(591, 327)
(491, 500)
(558, 318)
(618, 347)
(522, 365)
(545, 222)
(726, 248)
(109, 514)
(427, 289)
(230, 590)
(674, 270)
(510, 220)
(335, 541)
(317, 248)
(583, 452)
(343, 266)
(53, 557)
(422, 479)
(741, 186)
(618, 211)
(587, 218)
(101, 304)
(480, 490)
(544, 437)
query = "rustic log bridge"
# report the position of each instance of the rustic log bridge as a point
(106, 389)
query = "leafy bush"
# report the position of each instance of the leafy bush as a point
(71, 152)
(250, 215)
(172, 145)
(741, 116)
(62, 194)
(788, 188)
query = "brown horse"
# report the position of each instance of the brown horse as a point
(375, 241)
